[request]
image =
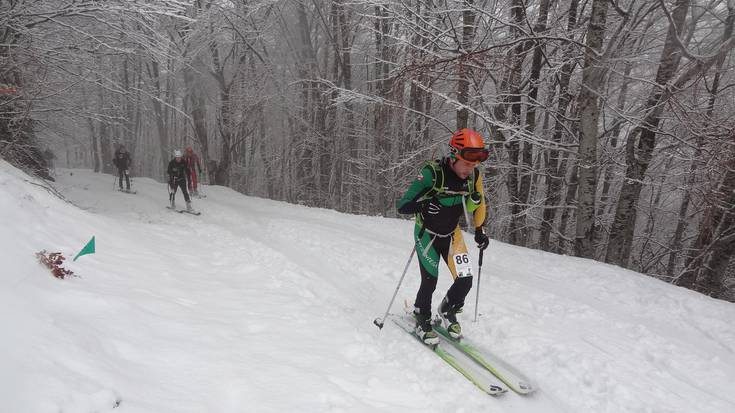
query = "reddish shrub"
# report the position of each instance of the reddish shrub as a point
(53, 262)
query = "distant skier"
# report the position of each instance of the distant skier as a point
(178, 174)
(445, 190)
(123, 162)
(192, 161)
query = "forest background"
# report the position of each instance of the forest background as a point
(609, 121)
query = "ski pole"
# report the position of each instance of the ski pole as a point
(477, 295)
(380, 321)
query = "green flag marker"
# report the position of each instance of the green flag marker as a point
(88, 249)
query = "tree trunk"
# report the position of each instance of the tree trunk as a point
(198, 113)
(688, 278)
(383, 116)
(570, 207)
(592, 81)
(344, 149)
(96, 157)
(463, 75)
(614, 135)
(517, 231)
(553, 174)
(306, 135)
(526, 170)
(105, 148)
(711, 275)
(163, 142)
(682, 221)
(128, 124)
(638, 159)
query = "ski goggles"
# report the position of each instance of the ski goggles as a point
(473, 154)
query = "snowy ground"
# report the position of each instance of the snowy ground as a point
(262, 306)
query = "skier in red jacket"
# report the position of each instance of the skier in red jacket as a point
(192, 161)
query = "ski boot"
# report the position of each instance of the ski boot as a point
(188, 207)
(424, 330)
(448, 314)
(173, 204)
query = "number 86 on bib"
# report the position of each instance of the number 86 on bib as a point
(462, 265)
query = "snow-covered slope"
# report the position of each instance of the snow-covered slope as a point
(262, 306)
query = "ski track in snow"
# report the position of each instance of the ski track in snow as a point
(263, 306)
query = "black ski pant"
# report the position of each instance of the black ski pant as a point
(121, 173)
(456, 293)
(178, 183)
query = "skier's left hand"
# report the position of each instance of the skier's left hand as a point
(481, 239)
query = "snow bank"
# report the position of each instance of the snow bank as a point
(262, 306)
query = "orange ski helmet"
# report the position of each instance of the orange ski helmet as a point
(468, 145)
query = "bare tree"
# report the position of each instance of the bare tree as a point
(638, 158)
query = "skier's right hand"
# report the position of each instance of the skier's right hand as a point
(481, 239)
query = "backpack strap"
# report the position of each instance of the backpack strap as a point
(473, 180)
(437, 179)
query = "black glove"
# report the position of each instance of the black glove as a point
(481, 239)
(431, 207)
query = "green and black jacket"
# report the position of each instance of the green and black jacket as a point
(439, 197)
